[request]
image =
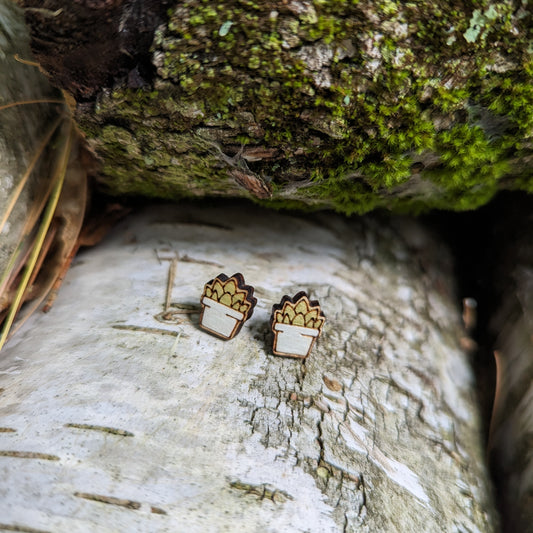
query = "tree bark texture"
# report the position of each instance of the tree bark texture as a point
(120, 414)
(350, 105)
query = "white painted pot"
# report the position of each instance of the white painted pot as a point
(220, 319)
(295, 341)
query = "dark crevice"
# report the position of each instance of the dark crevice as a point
(471, 238)
(487, 245)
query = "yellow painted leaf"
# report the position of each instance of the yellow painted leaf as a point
(299, 320)
(312, 315)
(225, 299)
(217, 287)
(208, 292)
(240, 305)
(301, 307)
(239, 297)
(230, 287)
(289, 311)
(286, 320)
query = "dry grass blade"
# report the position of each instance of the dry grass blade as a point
(57, 183)
(35, 101)
(11, 275)
(18, 190)
(7, 275)
(43, 178)
(67, 238)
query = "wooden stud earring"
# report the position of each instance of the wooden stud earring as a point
(227, 303)
(296, 323)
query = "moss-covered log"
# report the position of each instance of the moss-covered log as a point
(352, 105)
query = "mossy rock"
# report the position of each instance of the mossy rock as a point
(347, 105)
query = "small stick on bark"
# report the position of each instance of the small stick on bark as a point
(170, 282)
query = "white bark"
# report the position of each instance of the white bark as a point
(106, 397)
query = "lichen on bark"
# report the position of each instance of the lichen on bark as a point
(352, 105)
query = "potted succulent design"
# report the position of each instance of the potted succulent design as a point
(226, 305)
(296, 322)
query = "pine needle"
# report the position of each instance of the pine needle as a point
(41, 235)
(18, 190)
(36, 101)
(11, 264)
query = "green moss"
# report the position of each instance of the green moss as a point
(511, 97)
(468, 158)
(424, 86)
(171, 167)
(349, 196)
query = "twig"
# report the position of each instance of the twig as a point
(170, 282)
(141, 329)
(105, 429)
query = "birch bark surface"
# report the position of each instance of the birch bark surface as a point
(119, 414)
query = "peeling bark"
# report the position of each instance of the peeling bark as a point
(121, 414)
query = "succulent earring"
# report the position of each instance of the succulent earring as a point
(227, 303)
(296, 323)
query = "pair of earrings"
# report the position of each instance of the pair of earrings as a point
(227, 303)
